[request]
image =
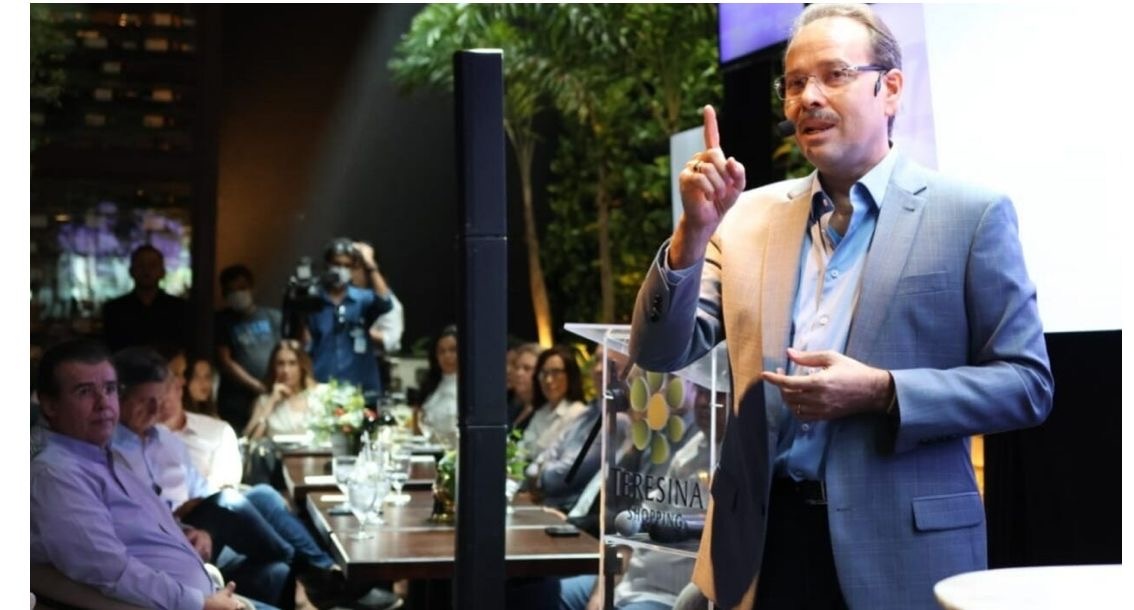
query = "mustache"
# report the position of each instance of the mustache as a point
(820, 114)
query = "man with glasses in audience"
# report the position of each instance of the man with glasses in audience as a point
(877, 315)
(95, 522)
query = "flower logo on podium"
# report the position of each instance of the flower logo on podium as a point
(653, 399)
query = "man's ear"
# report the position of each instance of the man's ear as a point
(47, 407)
(892, 85)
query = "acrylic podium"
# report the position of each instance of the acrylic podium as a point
(661, 431)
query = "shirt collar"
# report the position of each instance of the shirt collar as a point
(349, 296)
(875, 183)
(81, 448)
(191, 425)
(124, 436)
(563, 407)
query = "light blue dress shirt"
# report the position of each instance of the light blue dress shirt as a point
(163, 462)
(102, 526)
(825, 300)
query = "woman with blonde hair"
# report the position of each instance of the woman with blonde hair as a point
(283, 410)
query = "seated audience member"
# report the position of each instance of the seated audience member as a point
(212, 444)
(521, 380)
(510, 367)
(200, 379)
(98, 524)
(558, 390)
(283, 410)
(245, 335)
(160, 459)
(256, 524)
(548, 471)
(437, 416)
(654, 580)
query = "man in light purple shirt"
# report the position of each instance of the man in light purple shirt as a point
(97, 524)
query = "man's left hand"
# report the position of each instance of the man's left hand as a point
(840, 386)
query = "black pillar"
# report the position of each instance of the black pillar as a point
(483, 311)
(747, 118)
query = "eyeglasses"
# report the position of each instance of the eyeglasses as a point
(551, 373)
(829, 80)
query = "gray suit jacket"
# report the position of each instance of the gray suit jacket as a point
(946, 305)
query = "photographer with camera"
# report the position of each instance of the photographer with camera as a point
(337, 320)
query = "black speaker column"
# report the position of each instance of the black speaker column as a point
(482, 283)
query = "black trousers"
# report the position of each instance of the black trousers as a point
(798, 570)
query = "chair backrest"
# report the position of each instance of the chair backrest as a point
(55, 591)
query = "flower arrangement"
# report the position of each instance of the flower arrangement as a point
(335, 407)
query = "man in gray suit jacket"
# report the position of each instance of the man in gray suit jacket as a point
(877, 315)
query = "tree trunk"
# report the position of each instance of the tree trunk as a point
(541, 306)
(606, 271)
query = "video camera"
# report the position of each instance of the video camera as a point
(302, 292)
(303, 295)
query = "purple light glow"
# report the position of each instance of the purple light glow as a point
(746, 28)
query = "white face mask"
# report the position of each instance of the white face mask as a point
(240, 300)
(338, 276)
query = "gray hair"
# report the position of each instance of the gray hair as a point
(882, 42)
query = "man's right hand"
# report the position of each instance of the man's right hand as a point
(709, 185)
(225, 599)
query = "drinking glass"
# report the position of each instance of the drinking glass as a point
(362, 492)
(381, 482)
(398, 469)
(342, 467)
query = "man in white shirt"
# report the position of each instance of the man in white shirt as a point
(212, 446)
(211, 441)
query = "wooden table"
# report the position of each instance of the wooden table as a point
(409, 546)
(304, 474)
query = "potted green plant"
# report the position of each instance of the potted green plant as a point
(445, 483)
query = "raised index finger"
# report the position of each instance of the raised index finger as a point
(712, 133)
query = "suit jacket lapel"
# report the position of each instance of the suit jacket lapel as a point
(894, 236)
(781, 274)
